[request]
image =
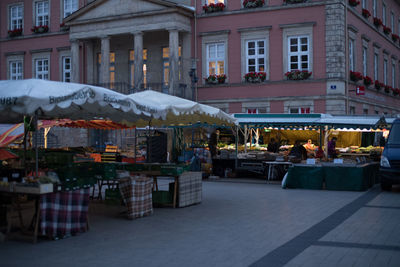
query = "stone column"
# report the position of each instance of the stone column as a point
(90, 65)
(105, 61)
(173, 61)
(138, 48)
(75, 60)
(187, 64)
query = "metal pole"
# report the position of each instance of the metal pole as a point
(237, 144)
(36, 147)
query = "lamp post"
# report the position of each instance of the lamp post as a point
(193, 78)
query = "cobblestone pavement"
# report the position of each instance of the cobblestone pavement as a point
(237, 224)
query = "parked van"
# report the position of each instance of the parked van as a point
(390, 161)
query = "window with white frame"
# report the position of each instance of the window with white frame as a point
(298, 53)
(384, 14)
(365, 60)
(215, 58)
(351, 55)
(42, 13)
(392, 21)
(165, 56)
(66, 69)
(16, 16)
(299, 110)
(42, 68)
(70, 6)
(393, 74)
(385, 71)
(375, 7)
(132, 67)
(255, 56)
(376, 68)
(364, 4)
(256, 110)
(398, 27)
(15, 70)
(215, 1)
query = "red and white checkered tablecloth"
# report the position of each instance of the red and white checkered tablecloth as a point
(64, 213)
(137, 194)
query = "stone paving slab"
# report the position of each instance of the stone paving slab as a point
(237, 224)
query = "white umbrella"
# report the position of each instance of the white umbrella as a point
(168, 110)
(52, 100)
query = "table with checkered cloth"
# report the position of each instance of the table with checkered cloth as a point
(190, 188)
(137, 195)
(64, 213)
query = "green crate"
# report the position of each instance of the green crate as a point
(162, 197)
(171, 170)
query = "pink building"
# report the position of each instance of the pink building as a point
(325, 38)
(156, 44)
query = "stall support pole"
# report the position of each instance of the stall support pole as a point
(321, 130)
(36, 147)
(237, 144)
(245, 138)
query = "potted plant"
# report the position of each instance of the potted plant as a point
(377, 22)
(213, 7)
(378, 85)
(366, 14)
(395, 37)
(298, 75)
(395, 91)
(40, 29)
(253, 3)
(354, 3)
(255, 77)
(15, 32)
(221, 78)
(63, 27)
(367, 81)
(388, 88)
(214, 79)
(386, 30)
(355, 76)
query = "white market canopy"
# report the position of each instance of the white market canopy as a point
(170, 110)
(56, 100)
(314, 121)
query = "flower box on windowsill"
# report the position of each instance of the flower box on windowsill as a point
(355, 76)
(395, 37)
(40, 29)
(388, 88)
(354, 3)
(213, 7)
(253, 3)
(15, 32)
(64, 28)
(367, 81)
(294, 1)
(215, 79)
(378, 85)
(255, 77)
(395, 91)
(298, 75)
(365, 13)
(386, 30)
(377, 22)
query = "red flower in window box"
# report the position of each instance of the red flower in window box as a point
(298, 75)
(221, 78)
(386, 30)
(367, 81)
(63, 27)
(354, 2)
(214, 79)
(355, 76)
(40, 29)
(395, 91)
(213, 7)
(377, 22)
(366, 14)
(255, 77)
(388, 88)
(253, 3)
(378, 85)
(395, 37)
(15, 32)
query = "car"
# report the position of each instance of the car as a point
(389, 171)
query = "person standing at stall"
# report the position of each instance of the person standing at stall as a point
(273, 146)
(332, 148)
(298, 151)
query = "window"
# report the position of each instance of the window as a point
(214, 1)
(111, 69)
(255, 56)
(393, 74)
(384, 14)
(256, 110)
(351, 54)
(66, 69)
(298, 47)
(165, 55)
(392, 21)
(375, 7)
(42, 69)
(376, 64)
(70, 6)
(385, 71)
(301, 110)
(42, 13)
(365, 60)
(15, 70)
(215, 58)
(132, 67)
(352, 110)
(15, 17)
(398, 28)
(365, 111)
(364, 4)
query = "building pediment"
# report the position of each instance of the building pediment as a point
(106, 10)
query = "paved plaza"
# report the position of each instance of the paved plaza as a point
(237, 224)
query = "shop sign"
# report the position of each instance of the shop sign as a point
(360, 90)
